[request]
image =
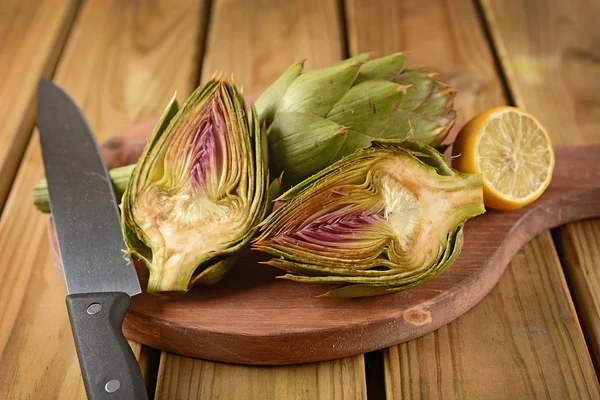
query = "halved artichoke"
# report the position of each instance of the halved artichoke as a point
(380, 220)
(198, 191)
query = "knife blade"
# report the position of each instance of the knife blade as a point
(100, 277)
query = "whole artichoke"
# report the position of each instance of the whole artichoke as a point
(380, 220)
(198, 191)
(317, 117)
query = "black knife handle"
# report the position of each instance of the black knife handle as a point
(108, 366)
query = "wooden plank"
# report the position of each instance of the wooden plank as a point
(118, 76)
(524, 337)
(32, 34)
(182, 378)
(549, 52)
(580, 245)
(270, 36)
(256, 54)
(522, 341)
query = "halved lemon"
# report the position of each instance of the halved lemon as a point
(513, 152)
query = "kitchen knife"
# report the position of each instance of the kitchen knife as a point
(99, 275)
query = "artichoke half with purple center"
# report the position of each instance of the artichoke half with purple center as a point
(317, 117)
(198, 191)
(383, 219)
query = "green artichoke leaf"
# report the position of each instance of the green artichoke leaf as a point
(437, 104)
(384, 68)
(383, 219)
(315, 92)
(361, 58)
(368, 107)
(287, 143)
(199, 190)
(431, 129)
(421, 84)
(266, 104)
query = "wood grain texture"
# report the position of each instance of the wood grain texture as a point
(580, 247)
(549, 52)
(522, 342)
(550, 55)
(181, 378)
(117, 76)
(449, 36)
(32, 34)
(252, 318)
(256, 41)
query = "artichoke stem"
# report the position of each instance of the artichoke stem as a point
(118, 177)
(159, 284)
(168, 276)
(466, 202)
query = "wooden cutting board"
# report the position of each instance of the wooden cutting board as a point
(253, 318)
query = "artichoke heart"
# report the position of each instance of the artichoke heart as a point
(380, 220)
(317, 117)
(198, 191)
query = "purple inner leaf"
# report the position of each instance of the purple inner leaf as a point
(337, 230)
(207, 145)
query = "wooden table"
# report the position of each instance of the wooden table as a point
(536, 335)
